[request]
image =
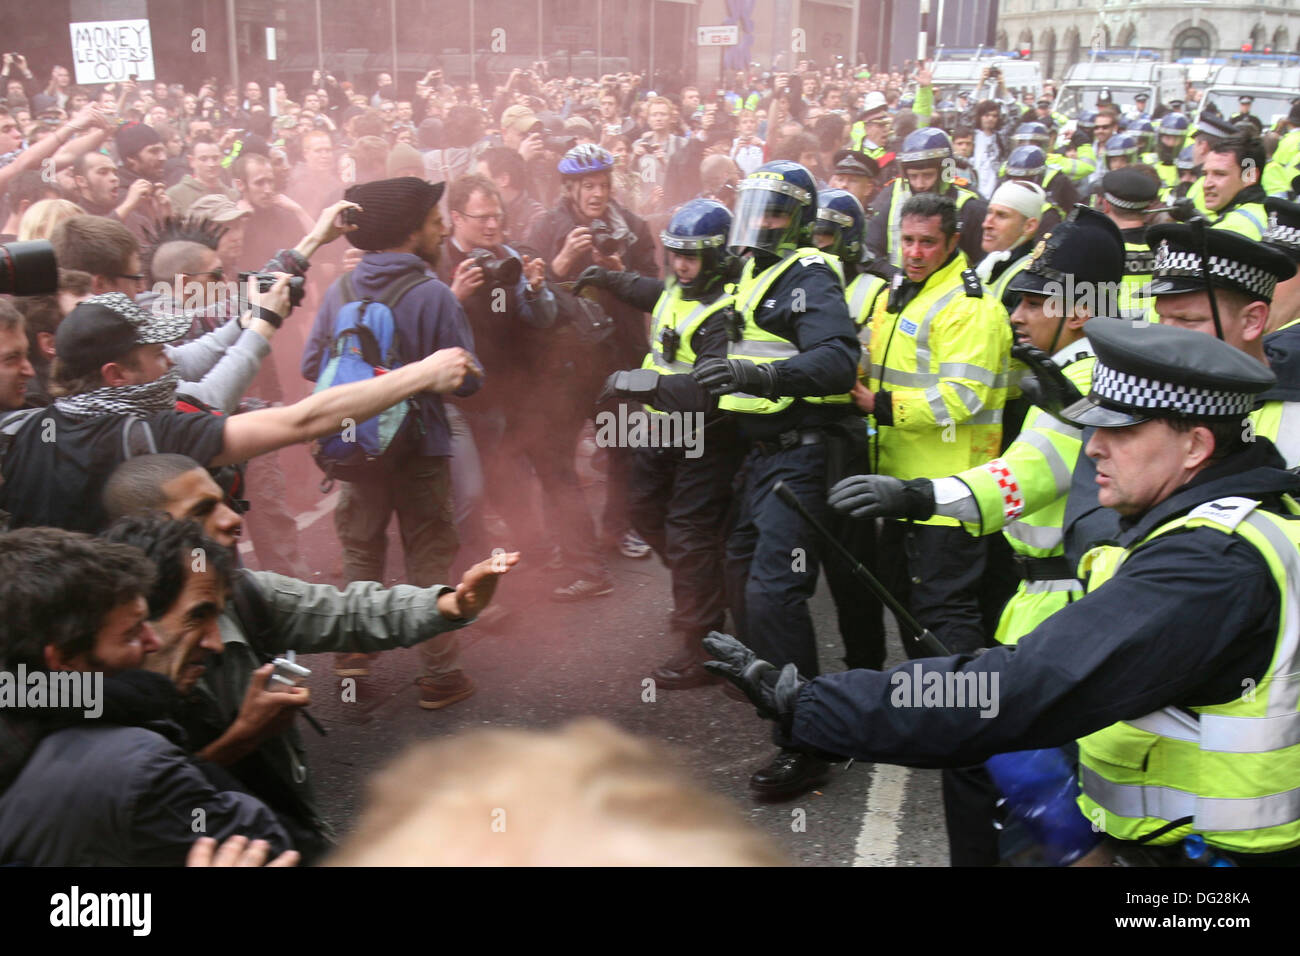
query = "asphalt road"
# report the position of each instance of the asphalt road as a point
(549, 663)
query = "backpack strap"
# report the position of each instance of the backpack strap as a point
(137, 438)
(393, 295)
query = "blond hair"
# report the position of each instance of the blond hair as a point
(39, 220)
(588, 794)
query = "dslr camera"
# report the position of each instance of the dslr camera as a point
(28, 268)
(602, 239)
(500, 273)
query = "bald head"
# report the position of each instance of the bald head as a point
(715, 171)
(137, 485)
(181, 257)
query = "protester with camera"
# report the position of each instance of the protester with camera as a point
(507, 303)
(586, 228)
(653, 151)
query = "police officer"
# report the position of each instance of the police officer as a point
(1036, 465)
(791, 360)
(1126, 195)
(1283, 233)
(857, 173)
(1145, 134)
(871, 131)
(936, 387)
(927, 163)
(1245, 115)
(1052, 177)
(1211, 129)
(680, 494)
(1187, 606)
(1244, 275)
(1283, 164)
(1231, 189)
(1172, 136)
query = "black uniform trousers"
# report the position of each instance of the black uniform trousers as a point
(773, 557)
(680, 506)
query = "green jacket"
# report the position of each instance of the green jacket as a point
(309, 619)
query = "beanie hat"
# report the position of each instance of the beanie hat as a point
(391, 209)
(134, 137)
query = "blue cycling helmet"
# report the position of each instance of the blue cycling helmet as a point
(1174, 124)
(1026, 162)
(840, 226)
(1122, 144)
(1185, 163)
(926, 147)
(1032, 133)
(699, 228)
(781, 189)
(584, 159)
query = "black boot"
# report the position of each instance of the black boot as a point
(682, 671)
(790, 773)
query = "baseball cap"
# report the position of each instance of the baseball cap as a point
(216, 207)
(105, 328)
(519, 118)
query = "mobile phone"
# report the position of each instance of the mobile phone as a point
(286, 675)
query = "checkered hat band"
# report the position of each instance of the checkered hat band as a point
(1188, 264)
(1126, 203)
(1283, 235)
(1135, 393)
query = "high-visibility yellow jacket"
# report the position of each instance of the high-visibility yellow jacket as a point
(1285, 164)
(1249, 219)
(1023, 492)
(943, 358)
(1230, 772)
(684, 318)
(758, 344)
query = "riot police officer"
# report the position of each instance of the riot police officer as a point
(680, 494)
(792, 357)
(927, 163)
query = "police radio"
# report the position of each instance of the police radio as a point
(669, 340)
(734, 323)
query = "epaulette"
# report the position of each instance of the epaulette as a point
(974, 288)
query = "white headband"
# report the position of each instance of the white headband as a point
(1024, 197)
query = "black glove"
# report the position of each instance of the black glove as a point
(880, 496)
(639, 383)
(597, 276)
(1182, 209)
(724, 376)
(1046, 386)
(772, 691)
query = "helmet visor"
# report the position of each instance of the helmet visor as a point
(768, 214)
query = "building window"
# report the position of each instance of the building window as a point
(1192, 42)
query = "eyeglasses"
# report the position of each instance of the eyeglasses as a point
(1101, 128)
(498, 218)
(134, 278)
(218, 274)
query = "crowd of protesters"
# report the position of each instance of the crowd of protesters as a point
(146, 399)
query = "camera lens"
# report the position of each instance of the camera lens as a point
(28, 268)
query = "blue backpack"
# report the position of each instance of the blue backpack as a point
(364, 344)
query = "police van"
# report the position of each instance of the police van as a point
(1273, 80)
(1122, 75)
(955, 70)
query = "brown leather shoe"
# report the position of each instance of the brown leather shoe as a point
(439, 692)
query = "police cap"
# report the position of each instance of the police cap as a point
(1213, 125)
(1236, 262)
(854, 162)
(1283, 226)
(1147, 371)
(1129, 188)
(1087, 246)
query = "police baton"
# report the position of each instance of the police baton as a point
(930, 644)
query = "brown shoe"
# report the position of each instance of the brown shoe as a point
(439, 692)
(352, 665)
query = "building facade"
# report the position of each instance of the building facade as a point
(1062, 32)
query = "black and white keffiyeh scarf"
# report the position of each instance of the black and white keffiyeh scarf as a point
(139, 400)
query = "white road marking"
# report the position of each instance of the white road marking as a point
(878, 839)
(306, 519)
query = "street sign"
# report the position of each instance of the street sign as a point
(718, 36)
